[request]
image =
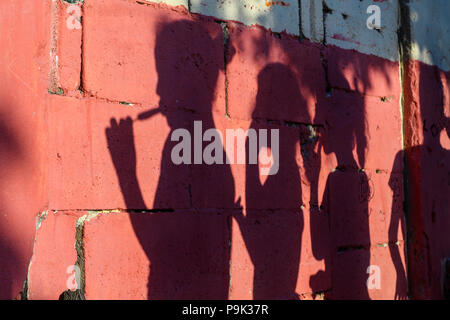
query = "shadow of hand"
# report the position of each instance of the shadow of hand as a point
(447, 126)
(400, 289)
(121, 147)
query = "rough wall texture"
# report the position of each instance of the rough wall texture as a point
(89, 105)
(426, 102)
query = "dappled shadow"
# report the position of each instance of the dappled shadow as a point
(187, 242)
(340, 221)
(10, 152)
(317, 97)
(273, 222)
(426, 160)
(426, 190)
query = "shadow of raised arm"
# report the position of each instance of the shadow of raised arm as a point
(120, 139)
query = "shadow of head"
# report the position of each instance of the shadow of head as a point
(189, 55)
(278, 93)
(432, 103)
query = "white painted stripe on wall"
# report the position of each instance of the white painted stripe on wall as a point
(346, 27)
(343, 24)
(430, 28)
(170, 2)
(275, 15)
(312, 20)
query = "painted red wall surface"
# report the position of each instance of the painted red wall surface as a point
(75, 156)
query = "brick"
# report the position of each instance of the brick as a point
(273, 242)
(346, 202)
(258, 190)
(271, 256)
(175, 60)
(54, 251)
(346, 27)
(366, 74)
(83, 174)
(378, 221)
(24, 77)
(241, 266)
(363, 125)
(69, 46)
(268, 194)
(174, 255)
(349, 275)
(271, 78)
(383, 123)
(386, 215)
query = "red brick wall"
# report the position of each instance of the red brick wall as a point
(428, 177)
(144, 228)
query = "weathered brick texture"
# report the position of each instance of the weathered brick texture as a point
(86, 146)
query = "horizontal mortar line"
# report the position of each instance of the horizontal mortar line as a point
(376, 170)
(280, 122)
(234, 212)
(294, 209)
(138, 105)
(288, 123)
(389, 243)
(316, 292)
(87, 95)
(362, 94)
(144, 3)
(118, 210)
(346, 248)
(350, 247)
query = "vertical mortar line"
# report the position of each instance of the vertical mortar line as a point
(226, 39)
(300, 30)
(79, 293)
(324, 17)
(79, 248)
(53, 72)
(404, 47)
(225, 44)
(324, 61)
(325, 12)
(81, 88)
(229, 231)
(312, 19)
